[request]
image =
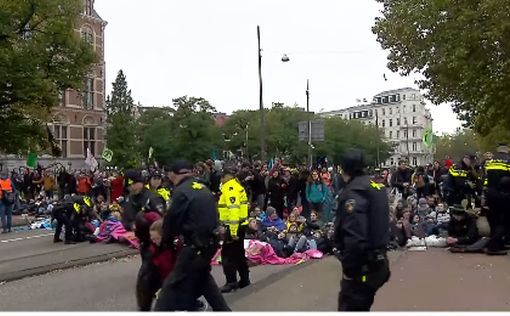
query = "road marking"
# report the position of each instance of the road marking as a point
(25, 238)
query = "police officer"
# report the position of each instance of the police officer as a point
(194, 218)
(233, 211)
(67, 214)
(155, 186)
(461, 181)
(497, 183)
(361, 235)
(142, 209)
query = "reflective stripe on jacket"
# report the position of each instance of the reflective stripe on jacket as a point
(233, 205)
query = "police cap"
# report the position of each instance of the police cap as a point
(156, 174)
(133, 176)
(181, 167)
(353, 162)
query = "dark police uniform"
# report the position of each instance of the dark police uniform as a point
(460, 183)
(142, 210)
(361, 237)
(192, 216)
(68, 214)
(497, 183)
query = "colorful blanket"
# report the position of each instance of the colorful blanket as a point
(112, 229)
(262, 253)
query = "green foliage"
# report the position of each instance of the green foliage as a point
(342, 135)
(185, 131)
(282, 135)
(40, 55)
(457, 145)
(121, 135)
(462, 50)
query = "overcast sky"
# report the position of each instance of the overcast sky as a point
(205, 48)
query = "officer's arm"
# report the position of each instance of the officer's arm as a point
(175, 216)
(354, 227)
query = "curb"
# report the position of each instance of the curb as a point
(272, 278)
(34, 271)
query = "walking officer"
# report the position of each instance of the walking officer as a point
(461, 181)
(142, 209)
(497, 183)
(194, 218)
(361, 235)
(233, 209)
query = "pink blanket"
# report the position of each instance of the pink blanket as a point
(262, 253)
(115, 229)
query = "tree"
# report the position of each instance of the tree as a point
(121, 135)
(185, 131)
(40, 55)
(342, 135)
(462, 50)
(457, 145)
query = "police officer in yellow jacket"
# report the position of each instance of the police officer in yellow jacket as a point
(155, 187)
(233, 211)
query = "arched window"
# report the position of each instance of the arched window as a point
(88, 7)
(60, 132)
(87, 34)
(89, 135)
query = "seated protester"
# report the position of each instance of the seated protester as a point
(254, 231)
(279, 242)
(257, 213)
(407, 222)
(429, 225)
(313, 224)
(295, 221)
(398, 233)
(431, 201)
(417, 227)
(399, 209)
(272, 221)
(423, 209)
(462, 229)
(442, 216)
(297, 242)
(329, 233)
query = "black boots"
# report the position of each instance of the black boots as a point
(229, 287)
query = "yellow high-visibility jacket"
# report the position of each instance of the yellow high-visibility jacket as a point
(164, 193)
(233, 206)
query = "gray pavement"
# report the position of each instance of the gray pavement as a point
(435, 280)
(27, 253)
(107, 286)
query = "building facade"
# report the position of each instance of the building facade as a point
(402, 116)
(78, 121)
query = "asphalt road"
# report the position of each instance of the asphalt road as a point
(107, 286)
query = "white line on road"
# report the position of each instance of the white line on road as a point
(25, 238)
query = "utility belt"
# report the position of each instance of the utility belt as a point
(199, 244)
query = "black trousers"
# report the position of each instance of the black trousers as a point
(63, 219)
(190, 279)
(148, 282)
(233, 259)
(357, 295)
(498, 219)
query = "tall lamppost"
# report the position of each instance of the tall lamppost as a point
(285, 58)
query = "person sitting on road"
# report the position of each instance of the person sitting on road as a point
(462, 228)
(272, 221)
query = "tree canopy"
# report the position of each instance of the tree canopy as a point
(40, 56)
(121, 133)
(457, 145)
(462, 50)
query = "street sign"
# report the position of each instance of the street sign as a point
(317, 131)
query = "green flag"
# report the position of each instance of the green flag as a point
(428, 136)
(32, 160)
(107, 155)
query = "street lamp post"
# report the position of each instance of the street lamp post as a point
(310, 153)
(261, 104)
